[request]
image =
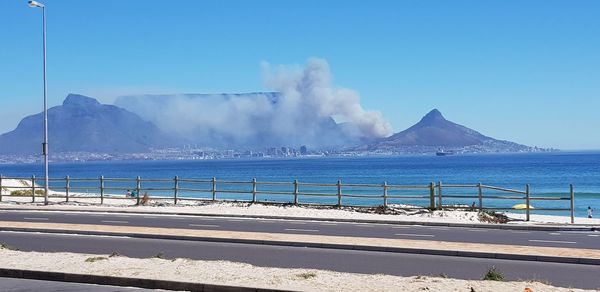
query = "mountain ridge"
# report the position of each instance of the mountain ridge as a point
(82, 124)
(434, 132)
(107, 128)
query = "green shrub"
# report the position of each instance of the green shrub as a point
(493, 275)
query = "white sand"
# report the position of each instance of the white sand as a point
(240, 274)
(82, 202)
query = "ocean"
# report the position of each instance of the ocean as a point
(549, 175)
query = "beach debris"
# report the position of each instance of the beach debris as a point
(493, 217)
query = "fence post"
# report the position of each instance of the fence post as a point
(295, 192)
(33, 188)
(440, 206)
(527, 202)
(572, 192)
(253, 190)
(480, 196)
(0, 187)
(339, 193)
(432, 196)
(385, 194)
(101, 189)
(138, 186)
(175, 189)
(214, 188)
(67, 188)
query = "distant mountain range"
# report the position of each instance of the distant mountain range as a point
(82, 124)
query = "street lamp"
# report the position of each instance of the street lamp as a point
(45, 144)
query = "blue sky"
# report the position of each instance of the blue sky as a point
(527, 71)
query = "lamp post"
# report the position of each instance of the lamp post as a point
(45, 143)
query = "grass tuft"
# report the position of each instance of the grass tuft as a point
(95, 259)
(8, 247)
(493, 274)
(307, 275)
(22, 193)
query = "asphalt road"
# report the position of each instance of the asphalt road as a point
(24, 285)
(570, 239)
(566, 275)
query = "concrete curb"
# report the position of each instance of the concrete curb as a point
(456, 253)
(124, 281)
(371, 221)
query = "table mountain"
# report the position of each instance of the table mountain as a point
(83, 124)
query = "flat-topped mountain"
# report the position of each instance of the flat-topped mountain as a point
(434, 132)
(81, 123)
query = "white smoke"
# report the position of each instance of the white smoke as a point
(300, 112)
(311, 89)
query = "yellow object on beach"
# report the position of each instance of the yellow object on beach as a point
(522, 207)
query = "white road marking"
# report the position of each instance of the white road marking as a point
(96, 215)
(477, 230)
(552, 241)
(593, 235)
(554, 233)
(439, 228)
(235, 220)
(178, 218)
(36, 218)
(402, 227)
(418, 235)
(299, 223)
(328, 224)
(521, 232)
(265, 221)
(114, 221)
(204, 225)
(306, 230)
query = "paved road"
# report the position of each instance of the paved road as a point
(566, 275)
(23, 285)
(570, 239)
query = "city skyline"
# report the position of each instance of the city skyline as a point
(525, 72)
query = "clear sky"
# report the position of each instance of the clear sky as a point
(526, 71)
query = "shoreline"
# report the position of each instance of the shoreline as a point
(282, 211)
(394, 212)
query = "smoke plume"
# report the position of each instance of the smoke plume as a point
(305, 108)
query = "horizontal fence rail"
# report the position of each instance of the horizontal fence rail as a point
(431, 196)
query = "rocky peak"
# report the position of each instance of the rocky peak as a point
(80, 101)
(434, 116)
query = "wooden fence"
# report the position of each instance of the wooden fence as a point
(178, 189)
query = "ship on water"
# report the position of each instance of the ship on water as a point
(441, 152)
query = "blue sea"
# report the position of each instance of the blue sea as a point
(548, 174)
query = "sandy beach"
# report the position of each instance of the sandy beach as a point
(83, 202)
